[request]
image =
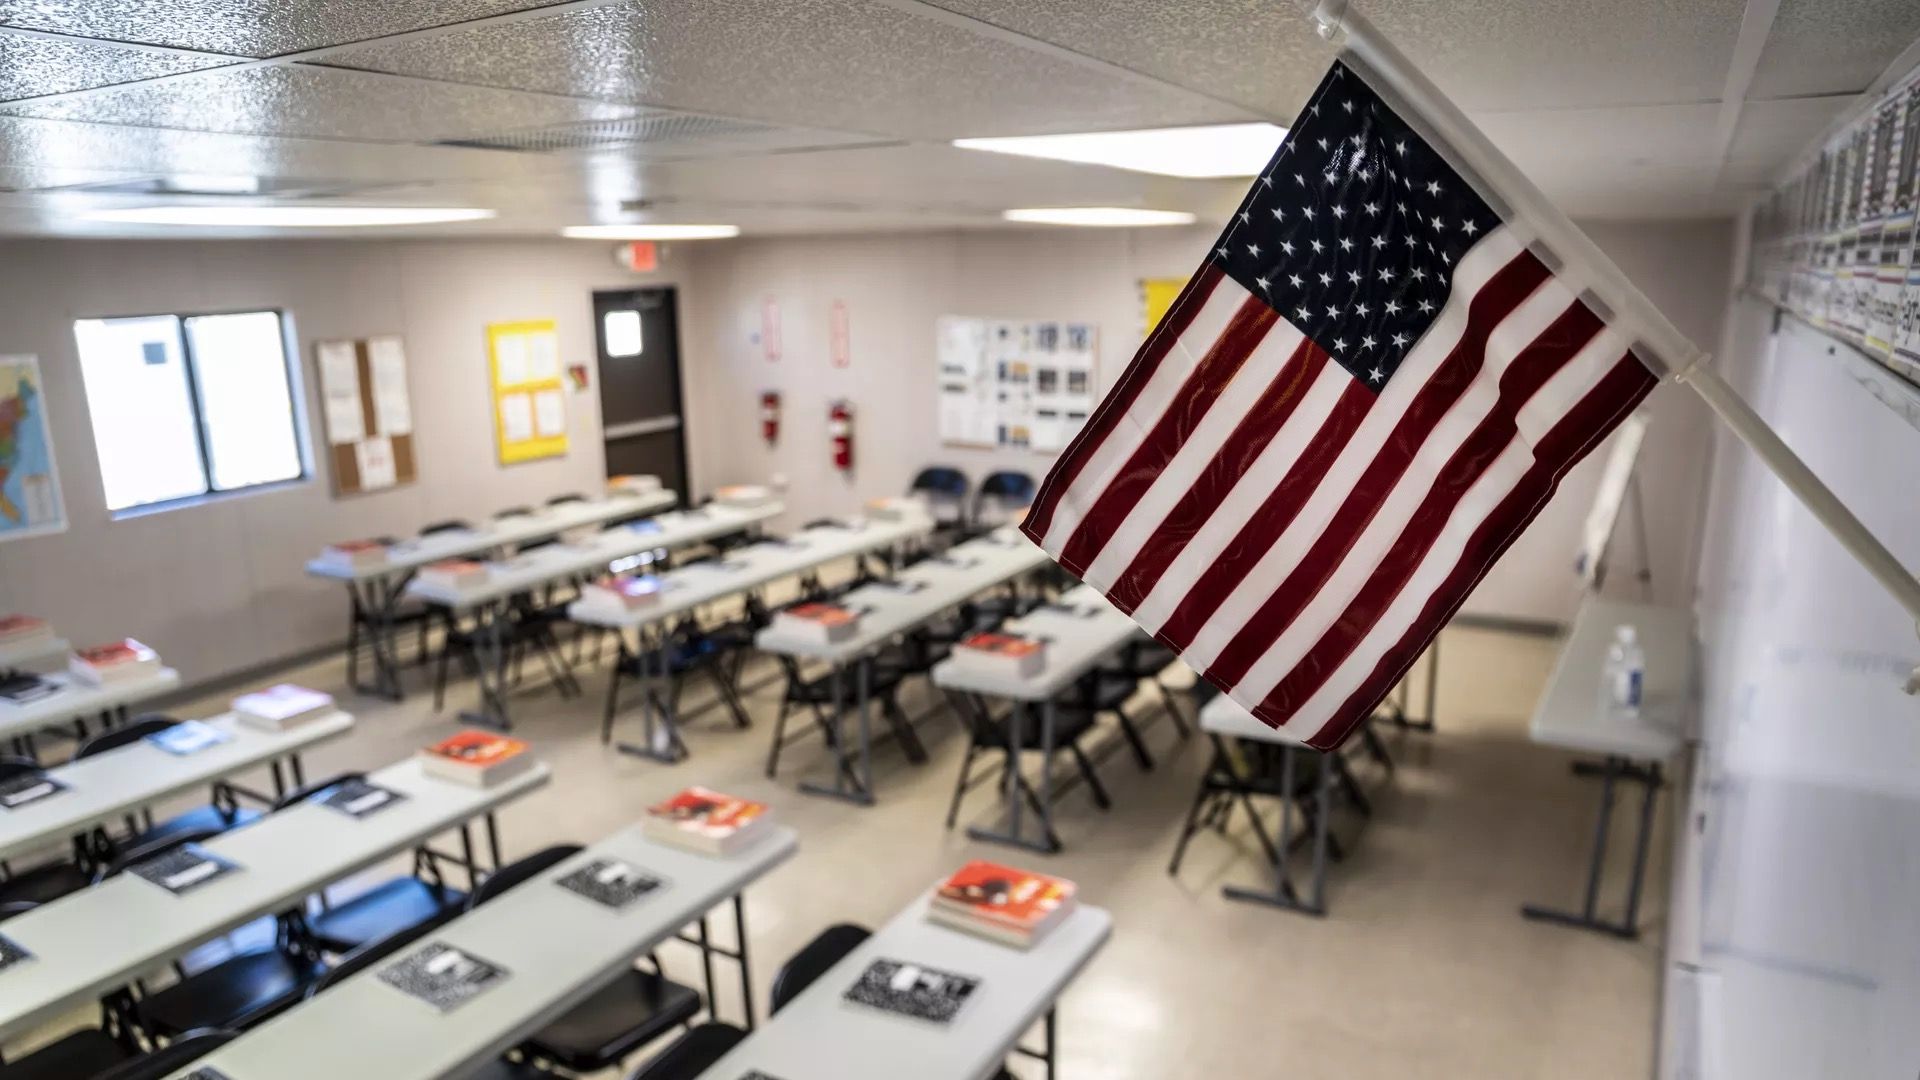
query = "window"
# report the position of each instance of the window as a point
(186, 406)
(622, 331)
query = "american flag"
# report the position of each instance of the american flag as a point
(1366, 393)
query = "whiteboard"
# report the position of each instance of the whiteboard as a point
(1608, 498)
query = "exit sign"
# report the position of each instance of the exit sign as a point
(640, 256)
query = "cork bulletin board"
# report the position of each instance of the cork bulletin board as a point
(369, 413)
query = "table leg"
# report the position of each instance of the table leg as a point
(1283, 894)
(1612, 771)
(372, 603)
(490, 669)
(661, 731)
(740, 939)
(1015, 832)
(848, 785)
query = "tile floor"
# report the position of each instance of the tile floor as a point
(1423, 967)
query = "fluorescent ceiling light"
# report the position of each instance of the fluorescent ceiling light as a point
(1198, 152)
(650, 232)
(287, 217)
(1098, 215)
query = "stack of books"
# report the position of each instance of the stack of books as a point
(633, 484)
(816, 623)
(893, 508)
(114, 662)
(1002, 655)
(282, 707)
(453, 574)
(743, 496)
(621, 594)
(354, 554)
(479, 759)
(706, 821)
(23, 631)
(1016, 907)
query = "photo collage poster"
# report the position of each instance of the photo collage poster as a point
(1025, 384)
(1836, 245)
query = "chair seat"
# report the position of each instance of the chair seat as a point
(691, 1054)
(242, 991)
(626, 1014)
(83, 1053)
(819, 690)
(199, 819)
(43, 884)
(1067, 728)
(502, 1069)
(1109, 690)
(385, 909)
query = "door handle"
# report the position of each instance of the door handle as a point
(652, 425)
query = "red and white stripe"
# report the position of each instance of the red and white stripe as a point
(1299, 538)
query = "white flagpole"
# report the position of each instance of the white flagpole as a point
(1633, 314)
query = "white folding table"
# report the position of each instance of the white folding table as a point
(556, 948)
(914, 597)
(1633, 750)
(742, 571)
(96, 940)
(1081, 629)
(821, 1036)
(373, 591)
(490, 602)
(46, 654)
(105, 786)
(77, 699)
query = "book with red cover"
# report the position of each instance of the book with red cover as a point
(817, 622)
(623, 594)
(453, 573)
(114, 661)
(1001, 902)
(476, 758)
(20, 629)
(356, 552)
(1003, 654)
(704, 820)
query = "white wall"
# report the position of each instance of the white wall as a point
(896, 286)
(219, 587)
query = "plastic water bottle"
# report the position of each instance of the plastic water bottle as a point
(1625, 675)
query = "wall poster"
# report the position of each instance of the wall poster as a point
(368, 412)
(1025, 384)
(29, 483)
(529, 390)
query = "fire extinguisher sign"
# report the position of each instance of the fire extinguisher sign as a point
(770, 328)
(840, 350)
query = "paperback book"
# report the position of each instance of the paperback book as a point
(816, 622)
(188, 737)
(701, 819)
(476, 758)
(113, 662)
(281, 707)
(1003, 655)
(1017, 907)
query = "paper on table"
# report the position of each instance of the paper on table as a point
(543, 356)
(510, 359)
(550, 413)
(340, 385)
(392, 409)
(375, 460)
(516, 418)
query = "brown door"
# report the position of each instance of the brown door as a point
(640, 413)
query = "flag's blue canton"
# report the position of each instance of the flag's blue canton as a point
(1353, 231)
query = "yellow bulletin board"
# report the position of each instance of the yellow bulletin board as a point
(1156, 296)
(529, 390)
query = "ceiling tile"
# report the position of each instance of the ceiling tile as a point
(301, 101)
(1488, 54)
(1772, 133)
(32, 66)
(255, 28)
(1820, 47)
(854, 65)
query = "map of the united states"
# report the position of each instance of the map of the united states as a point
(14, 408)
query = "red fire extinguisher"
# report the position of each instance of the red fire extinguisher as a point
(770, 416)
(840, 430)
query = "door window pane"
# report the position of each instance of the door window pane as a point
(622, 333)
(240, 370)
(143, 417)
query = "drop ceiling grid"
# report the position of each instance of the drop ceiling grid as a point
(31, 66)
(852, 65)
(302, 101)
(249, 28)
(1823, 47)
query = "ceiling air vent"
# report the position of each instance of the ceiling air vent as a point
(653, 130)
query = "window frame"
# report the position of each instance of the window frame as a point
(297, 409)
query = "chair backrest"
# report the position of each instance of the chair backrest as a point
(566, 497)
(379, 949)
(828, 948)
(513, 512)
(940, 480)
(132, 732)
(159, 845)
(302, 794)
(12, 766)
(520, 870)
(1005, 490)
(170, 1058)
(692, 1054)
(449, 525)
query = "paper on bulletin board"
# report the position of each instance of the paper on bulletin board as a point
(392, 405)
(375, 459)
(340, 385)
(1156, 298)
(966, 392)
(30, 503)
(528, 390)
(1020, 384)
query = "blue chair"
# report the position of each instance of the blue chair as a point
(945, 490)
(1000, 494)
